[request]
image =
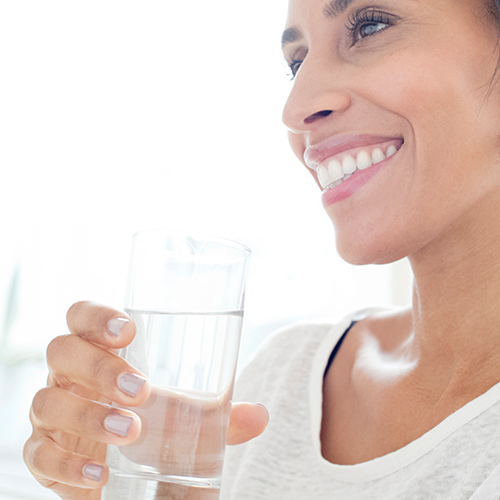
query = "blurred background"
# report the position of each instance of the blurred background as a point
(122, 116)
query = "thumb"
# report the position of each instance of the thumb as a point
(247, 422)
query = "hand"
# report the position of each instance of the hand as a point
(72, 418)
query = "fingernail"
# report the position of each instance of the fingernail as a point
(130, 383)
(93, 471)
(260, 405)
(115, 326)
(118, 424)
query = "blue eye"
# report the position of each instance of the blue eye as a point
(371, 28)
(366, 23)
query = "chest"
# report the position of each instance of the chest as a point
(365, 417)
(354, 431)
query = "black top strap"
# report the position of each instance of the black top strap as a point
(337, 347)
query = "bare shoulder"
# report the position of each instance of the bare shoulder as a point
(390, 327)
(354, 424)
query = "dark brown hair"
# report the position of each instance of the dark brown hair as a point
(497, 4)
(493, 8)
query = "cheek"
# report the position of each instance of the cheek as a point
(451, 142)
(450, 129)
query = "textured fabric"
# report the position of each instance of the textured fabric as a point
(457, 460)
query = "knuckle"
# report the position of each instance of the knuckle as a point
(73, 310)
(27, 452)
(39, 403)
(38, 457)
(57, 347)
(78, 315)
(86, 417)
(65, 466)
(100, 366)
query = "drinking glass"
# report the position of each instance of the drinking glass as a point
(185, 293)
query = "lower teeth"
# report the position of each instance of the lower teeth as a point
(339, 182)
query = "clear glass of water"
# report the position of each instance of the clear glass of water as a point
(185, 292)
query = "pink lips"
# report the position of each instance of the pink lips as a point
(351, 185)
(315, 155)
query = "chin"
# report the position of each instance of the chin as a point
(364, 251)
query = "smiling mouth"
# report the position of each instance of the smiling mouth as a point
(337, 169)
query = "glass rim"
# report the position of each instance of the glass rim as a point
(244, 251)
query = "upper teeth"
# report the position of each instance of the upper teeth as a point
(336, 171)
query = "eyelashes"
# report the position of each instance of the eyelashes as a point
(362, 24)
(293, 66)
(368, 22)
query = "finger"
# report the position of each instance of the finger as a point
(49, 463)
(247, 422)
(54, 409)
(72, 359)
(100, 324)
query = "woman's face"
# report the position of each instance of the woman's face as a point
(399, 91)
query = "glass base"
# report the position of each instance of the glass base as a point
(131, 481)
(122, 486)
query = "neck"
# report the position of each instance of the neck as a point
(456, 297)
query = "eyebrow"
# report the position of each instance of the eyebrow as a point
(336, 7)
(290, 35)
(333, 9)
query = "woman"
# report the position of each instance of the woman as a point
(402, 97)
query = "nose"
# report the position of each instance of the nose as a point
(316, 94)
